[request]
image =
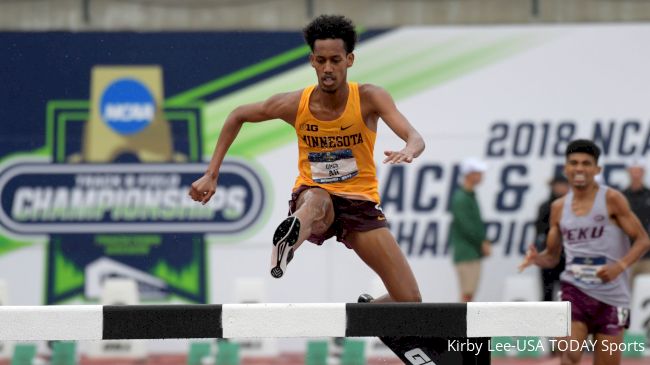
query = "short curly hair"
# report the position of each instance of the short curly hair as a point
(583, 146)
(331, 27)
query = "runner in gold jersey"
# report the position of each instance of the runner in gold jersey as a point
(335, 193)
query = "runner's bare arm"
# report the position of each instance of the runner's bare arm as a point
(550, 257)
(619, 209)
(384, 106)
(280, 106)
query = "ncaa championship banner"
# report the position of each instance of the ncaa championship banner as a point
(102, 135)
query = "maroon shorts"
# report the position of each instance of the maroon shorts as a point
(349, 215)
(598, 316)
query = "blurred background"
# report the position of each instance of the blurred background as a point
(109, 109)
(273, 15)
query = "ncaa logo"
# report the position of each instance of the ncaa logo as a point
(127, 106)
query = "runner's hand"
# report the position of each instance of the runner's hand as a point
(609, 272)
(203, 189)
(531, 255)
(393, 157)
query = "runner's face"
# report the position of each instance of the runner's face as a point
(580, 169)
(331, 63)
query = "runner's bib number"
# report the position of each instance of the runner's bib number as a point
(333, 166)
(584, 269)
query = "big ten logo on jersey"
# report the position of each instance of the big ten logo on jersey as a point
(418, 357)
(309, 127)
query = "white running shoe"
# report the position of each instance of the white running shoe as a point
(285, 236)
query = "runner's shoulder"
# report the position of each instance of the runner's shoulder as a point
(371, 90)
(558, 203)
(374, 96)
(284, 104)
(285, 98)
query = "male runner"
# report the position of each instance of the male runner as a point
(335, 193)
(594, 224)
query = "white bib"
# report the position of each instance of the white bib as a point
(333, 166)
(584, 269)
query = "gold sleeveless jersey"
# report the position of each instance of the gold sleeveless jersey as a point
(337, 155)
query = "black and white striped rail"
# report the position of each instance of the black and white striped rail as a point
(96, 322)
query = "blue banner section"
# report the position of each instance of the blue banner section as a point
(39, 67)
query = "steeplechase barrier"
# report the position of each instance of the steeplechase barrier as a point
(260, 320)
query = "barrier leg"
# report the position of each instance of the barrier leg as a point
(198, 350)
(354, 352)
(316, 353)
(227, 353)
(64, 353)
(24, 354)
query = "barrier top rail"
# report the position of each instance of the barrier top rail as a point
(443, 320)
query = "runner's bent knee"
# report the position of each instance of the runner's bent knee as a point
(317, 204)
